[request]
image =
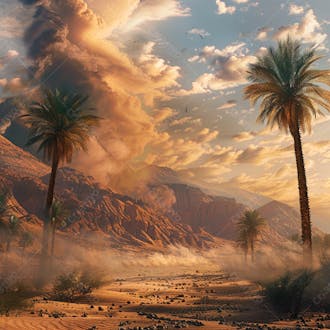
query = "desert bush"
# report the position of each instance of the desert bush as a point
(14, 295)
(72, 286)
(286, 293)
(318, 293)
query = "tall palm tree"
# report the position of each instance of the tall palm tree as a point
(289, 89)
(58, 214)
(249, 227)
(60, 125)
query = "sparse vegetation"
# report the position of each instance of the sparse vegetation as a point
(72, 286)
(286, 293)
(318, 293)
(14, 296)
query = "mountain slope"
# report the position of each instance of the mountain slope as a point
(119, 219)
(217, 215)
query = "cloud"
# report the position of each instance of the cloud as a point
(241, 1)
(245, 136)
(309, 30)
(154, 10)
(228, 68)
(224, 9)
(162, 114)
(262, 33)
(205, 135)
(229, 104)
(66, 46)
(270, 185)
(200, 32)
(295, 9)
(249, 135)
(12, 86)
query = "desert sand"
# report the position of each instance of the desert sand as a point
(192, 300)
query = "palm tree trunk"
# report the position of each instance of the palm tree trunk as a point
(46, 227)
(252, 250)
(306, 229)
(245, 255)
(53, 240)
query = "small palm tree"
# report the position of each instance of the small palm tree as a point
(249, 228)
(243, 242)
(58, 214)
(59, 125)
(288, 87)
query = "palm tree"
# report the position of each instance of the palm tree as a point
(60, 125)
(288, 86)
(243, 242)
(58, 214)
(249, 227)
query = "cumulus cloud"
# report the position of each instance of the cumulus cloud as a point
(224, 9)
(200, 32)
(228, 68)
(249, 135)
(262, 33)
(241, 1)
(309, 30)
(12, 86)
(66, 45)
(295, 9)
(179, 153)
(227, 105)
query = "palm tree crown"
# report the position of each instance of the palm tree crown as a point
(250, 225)
(288, 87)
(60, 125)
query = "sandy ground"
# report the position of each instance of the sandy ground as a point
(191, 301)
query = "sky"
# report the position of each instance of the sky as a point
(168, 78)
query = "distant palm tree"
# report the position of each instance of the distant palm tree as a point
(291, 95)
(243, 242)
(249, 228)
(60, 125)
(58, 214)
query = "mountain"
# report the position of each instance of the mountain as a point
(115, 219)
(281, 217)
(131, 180)
(284, 219)
(201, 206)
(216, 215)
(171, 213)
(252, 200)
